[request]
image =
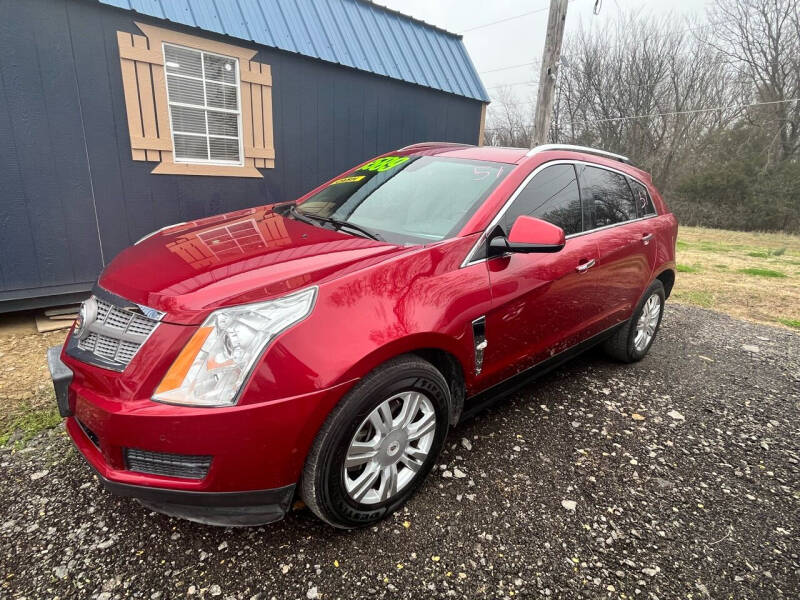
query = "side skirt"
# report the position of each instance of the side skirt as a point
(485, 399)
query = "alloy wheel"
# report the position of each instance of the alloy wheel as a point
(389, 447)
(647, 323)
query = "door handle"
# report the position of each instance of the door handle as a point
(646, 238)
(585, 266)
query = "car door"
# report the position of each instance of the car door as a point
(624, 244)
(541, 303)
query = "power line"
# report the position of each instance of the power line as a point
(535, 62)
(692, 111)
(493, 87)
(532, 12)
(678, 112)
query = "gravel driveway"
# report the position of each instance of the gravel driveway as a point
(673, 478)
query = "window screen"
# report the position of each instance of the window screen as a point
(644, 204)
(203, 94)
(552, 195)
(608, 197)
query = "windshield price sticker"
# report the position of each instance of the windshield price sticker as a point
(351, 179)
(384, 164)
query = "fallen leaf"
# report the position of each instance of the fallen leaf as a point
(637, 417)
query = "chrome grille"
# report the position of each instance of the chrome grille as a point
(163, 463)
(115, 335)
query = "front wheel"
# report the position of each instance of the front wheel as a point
(631, 342)
(378, 444)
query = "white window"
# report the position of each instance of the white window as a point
(204, 106)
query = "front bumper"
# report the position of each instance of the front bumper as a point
(227, 509)
(256, 451)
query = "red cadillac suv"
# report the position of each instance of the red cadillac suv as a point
(325, 346)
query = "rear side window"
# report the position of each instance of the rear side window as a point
(644, 204)
(608, 197)
(551, 196)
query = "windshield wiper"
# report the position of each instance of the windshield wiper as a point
(338, 223)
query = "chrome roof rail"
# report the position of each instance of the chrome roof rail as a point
(433, 143)
(584, 149)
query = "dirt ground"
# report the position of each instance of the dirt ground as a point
(676, 477)
(26, 392)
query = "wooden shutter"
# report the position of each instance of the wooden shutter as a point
(145, 89)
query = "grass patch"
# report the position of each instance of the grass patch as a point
(713, 247)
(795, 323)
(761, 272)
(687, 269)
(698, 298)
(680, 245)
(721, 266)
(28, 423)
(768, 253)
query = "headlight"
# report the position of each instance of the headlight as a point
(213, 366)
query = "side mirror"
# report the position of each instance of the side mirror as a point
(529, 234)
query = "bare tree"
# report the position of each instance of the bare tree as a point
(510, 121)
(643, 87)
(761, 40)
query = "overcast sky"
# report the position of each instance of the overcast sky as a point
(520, 40)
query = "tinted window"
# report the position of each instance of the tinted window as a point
(644, 205)
(551, 196)
(608, 197)
(409, 198)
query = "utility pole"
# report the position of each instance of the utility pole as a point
(547, 77)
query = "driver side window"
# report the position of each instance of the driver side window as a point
(553, 196)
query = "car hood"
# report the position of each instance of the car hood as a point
(251, 255)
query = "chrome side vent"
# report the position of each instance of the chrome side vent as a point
(479, 339)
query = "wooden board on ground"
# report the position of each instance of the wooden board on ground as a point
(43, 324)
(70, 309)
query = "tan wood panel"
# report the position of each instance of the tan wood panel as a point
(159, 35)
(258, 124)
(162, 110)
(247, 115)
(171, 168)
(146, 101)
(259, 152)
(266, 99)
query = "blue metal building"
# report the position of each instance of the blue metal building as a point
(118, 117)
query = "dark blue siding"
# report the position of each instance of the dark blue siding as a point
(71, 197)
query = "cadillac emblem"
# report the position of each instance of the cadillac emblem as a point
(86, 316)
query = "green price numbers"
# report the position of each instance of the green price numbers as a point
(384, 164)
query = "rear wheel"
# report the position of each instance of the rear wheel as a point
(632, 341)
(378, 444)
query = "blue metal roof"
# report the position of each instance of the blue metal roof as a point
(354, 33)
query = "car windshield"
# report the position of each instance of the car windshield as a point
(407, 199)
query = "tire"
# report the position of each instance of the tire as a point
(622, 344)
(330, 490)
